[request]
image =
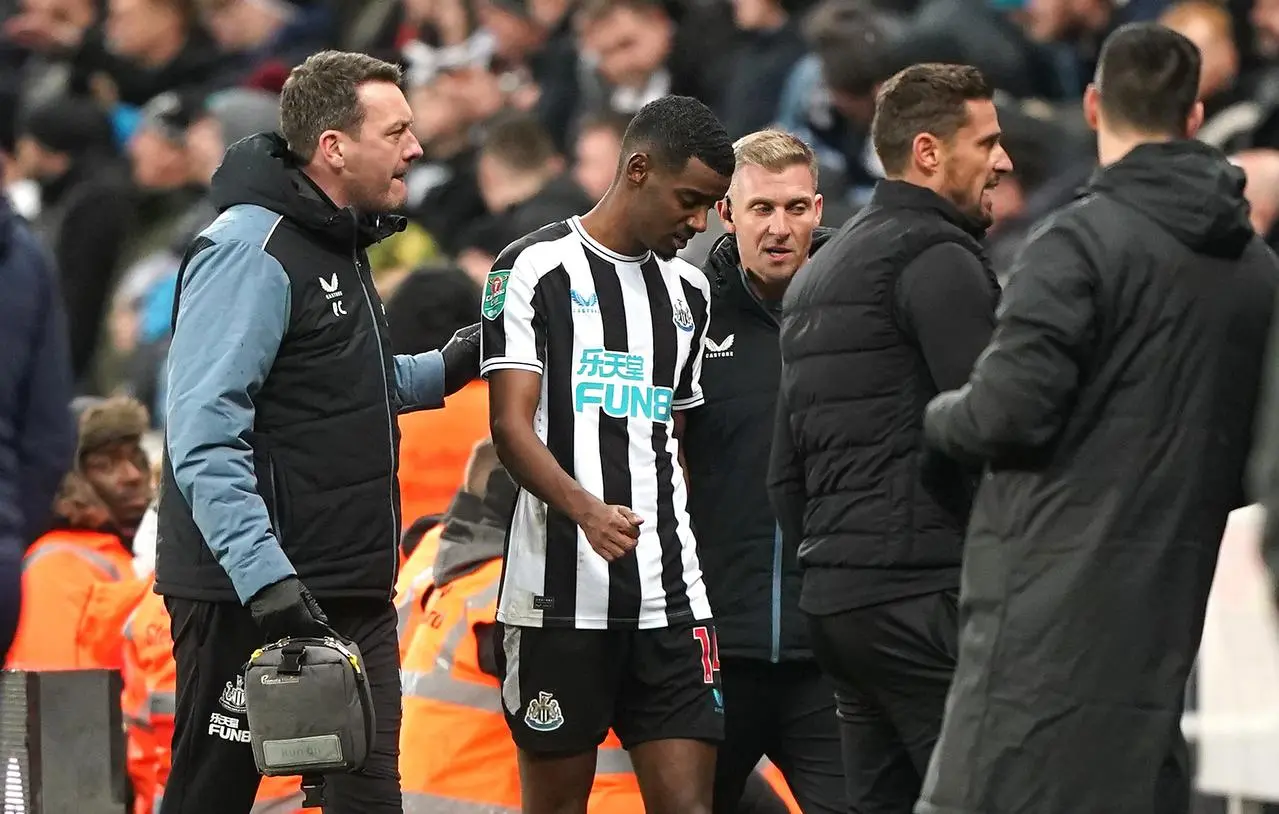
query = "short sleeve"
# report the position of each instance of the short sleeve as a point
(513, 331)
(688, 393)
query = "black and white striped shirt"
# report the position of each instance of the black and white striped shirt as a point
(618, 342)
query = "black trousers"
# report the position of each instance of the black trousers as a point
(213, 770)
(891, 665)
(785, 711)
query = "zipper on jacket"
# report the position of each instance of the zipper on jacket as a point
(275, 511)
(777, 594)
(386, 396)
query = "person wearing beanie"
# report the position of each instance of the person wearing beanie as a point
(59, 578)
(111, 458)
(228, 116)
(65, 146)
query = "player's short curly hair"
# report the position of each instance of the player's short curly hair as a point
(673, 130)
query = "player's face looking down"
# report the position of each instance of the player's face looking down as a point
(670, 206)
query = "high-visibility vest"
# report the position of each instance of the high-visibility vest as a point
(456, 753)
(416, 576)
(58, 576)
(149, 701)
(434, 448)
(780, 787)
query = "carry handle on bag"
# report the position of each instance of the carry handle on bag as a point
(309, 708)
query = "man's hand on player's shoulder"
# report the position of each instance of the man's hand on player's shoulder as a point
(611, 530)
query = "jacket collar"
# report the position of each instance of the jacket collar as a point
(723, 266)
(891, 194)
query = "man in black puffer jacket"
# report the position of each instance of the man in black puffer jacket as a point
(1114, 411)
(776, 700)
(893, 310)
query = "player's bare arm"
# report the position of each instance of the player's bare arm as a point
(678, 431)
(513, 396)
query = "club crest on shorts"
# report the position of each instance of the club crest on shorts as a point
(232, 699)
(543, 713)
(681, 316)
(495, 293)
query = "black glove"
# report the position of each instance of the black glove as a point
(461, 358)
(287, 609)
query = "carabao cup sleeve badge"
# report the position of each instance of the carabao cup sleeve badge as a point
(495, 293)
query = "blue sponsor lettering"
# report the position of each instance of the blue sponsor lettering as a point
(624, 400)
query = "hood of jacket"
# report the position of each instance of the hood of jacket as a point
(260, 170)
(475, 529)
(1186, 187)
(724, 257)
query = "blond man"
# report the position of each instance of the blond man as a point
(776, 701)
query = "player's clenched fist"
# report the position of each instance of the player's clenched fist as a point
(612, 530)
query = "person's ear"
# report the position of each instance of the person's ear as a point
(638, 168)
(927, 153)
(724, 208)
(1195, 120)
(329, 148)
(1092, 107)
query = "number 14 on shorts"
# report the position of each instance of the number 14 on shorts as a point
(710, 652)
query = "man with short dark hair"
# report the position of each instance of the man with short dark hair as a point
(592, 343)
(279, 494)
(893, 310)
(1113, 411)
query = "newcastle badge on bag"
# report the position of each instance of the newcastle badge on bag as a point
(310, 711)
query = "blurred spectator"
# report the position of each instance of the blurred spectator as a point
(597, 152)
(1040, 149)
(144, 48)
(534, 46)
(36, 432)
(1264, 17)
(58, 579)
(1208, 26)
(1262, 191)
(112, 460)
(829, 98)
(227, 116)
(177, 149)
(158, 147)
(444, 194)
(987, 36)
(638, 56)
(65, 145)
(267, 34)
(1072, 32)
(480, 246)
(1240, 111)
(767, 53)
(522, 178)
(426, 309)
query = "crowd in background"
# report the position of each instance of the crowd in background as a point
(116, 113)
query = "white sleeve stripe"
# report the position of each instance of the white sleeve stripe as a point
(509, 363)
(695, 400)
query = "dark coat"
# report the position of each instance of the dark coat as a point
(1114, 409)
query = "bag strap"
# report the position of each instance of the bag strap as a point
(313, 791)
(291, 657)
